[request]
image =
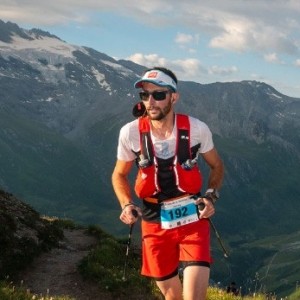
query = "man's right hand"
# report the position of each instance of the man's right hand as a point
(130, 214)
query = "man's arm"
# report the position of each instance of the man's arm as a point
(122, 190)
(120, 182)
(216, 165)
(215, 180)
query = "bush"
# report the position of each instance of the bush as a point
(105, 265)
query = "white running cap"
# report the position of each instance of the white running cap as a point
(157, 77)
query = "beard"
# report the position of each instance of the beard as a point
(162, 112)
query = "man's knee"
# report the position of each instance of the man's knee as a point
(171, 288)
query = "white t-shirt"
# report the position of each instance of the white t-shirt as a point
(129, 140)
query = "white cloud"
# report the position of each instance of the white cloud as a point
(46, 13)
(188, 68)
(187, 42)
(217, 70)
(272, 58)
(257, 29)
(148, 60)
(235, 36)
(182, 38)
(233, 25)
(241, 34)
(185, 69)
(184, 41)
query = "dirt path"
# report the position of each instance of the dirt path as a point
(55, 273)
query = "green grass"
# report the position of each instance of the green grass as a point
(295, 295)
(280, 263)
(104, 265)
(219, 294)
(8, 291)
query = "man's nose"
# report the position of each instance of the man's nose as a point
(151, 100)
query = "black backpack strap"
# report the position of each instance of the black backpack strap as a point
(147, 146)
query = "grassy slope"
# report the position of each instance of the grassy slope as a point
(279, 269)
(46, 169)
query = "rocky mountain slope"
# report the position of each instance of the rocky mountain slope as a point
(42, 257)
(61, 108)
(24, 234)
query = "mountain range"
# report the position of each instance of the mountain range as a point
(61, 109)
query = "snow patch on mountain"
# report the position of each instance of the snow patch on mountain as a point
(43, 44)
(119, 68)
(101, 80)
(46, 54)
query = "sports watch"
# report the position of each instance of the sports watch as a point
(212, 195)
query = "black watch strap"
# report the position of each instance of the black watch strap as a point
(212, 195)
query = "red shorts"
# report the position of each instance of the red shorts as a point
(164, 248)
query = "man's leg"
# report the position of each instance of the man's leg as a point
(195, 282)
(171, 288)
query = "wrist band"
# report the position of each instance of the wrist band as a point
(128, 204)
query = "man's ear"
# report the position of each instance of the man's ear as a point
(175, 98)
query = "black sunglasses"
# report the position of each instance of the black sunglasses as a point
(157, 96)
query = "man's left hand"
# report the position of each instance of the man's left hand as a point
(206, 207)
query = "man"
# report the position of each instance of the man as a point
(165, 146)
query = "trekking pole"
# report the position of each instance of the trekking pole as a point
(135, 214)
(225, 253)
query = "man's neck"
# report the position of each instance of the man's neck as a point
(162, 129)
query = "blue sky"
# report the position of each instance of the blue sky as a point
(202, 41)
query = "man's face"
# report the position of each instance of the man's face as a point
(157, 110)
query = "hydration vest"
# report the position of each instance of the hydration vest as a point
(166, 178)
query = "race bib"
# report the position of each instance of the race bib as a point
(178, 212)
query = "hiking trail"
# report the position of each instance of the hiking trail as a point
(55, 273)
